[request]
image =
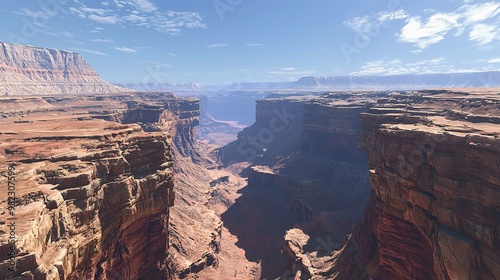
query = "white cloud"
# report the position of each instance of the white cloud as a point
(88, 51)
(171, 54)
(389, 16)
(143, 5)
(102, 40)
(124, 49)
(216, 45)
(253, 45)
(101, 19)
(480, 12)
(288, 69)
(494, 60)
(397, 67)
(425, 32)
(368, 23)
(483, 34)
(87, 10)
(140, 13)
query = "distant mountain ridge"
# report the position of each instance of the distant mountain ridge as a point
(390, 82)
(259, 85)
(188, 88)
(28, 70)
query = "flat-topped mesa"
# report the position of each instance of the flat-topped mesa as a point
(27, 70)
(435, 178)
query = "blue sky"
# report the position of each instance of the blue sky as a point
(223, 41)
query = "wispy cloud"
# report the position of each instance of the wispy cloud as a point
(484, 34)
(106, 19)
(102, 40)
(143, 5)
(216, 45)
(423, 32)
(88, 51)
(428, 66)
(253, 45)
(494, 60)
(171, 54)
(291, 72)
(67, 34)
(140, 13)
(368, 23)
(126, 50)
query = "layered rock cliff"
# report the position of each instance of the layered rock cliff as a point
(433, 212)
(93, 188)
(433, 169)
(27, 70)
(303, 170)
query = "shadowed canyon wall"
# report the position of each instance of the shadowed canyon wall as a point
(434, 165)
(433, 169)
(300, 148)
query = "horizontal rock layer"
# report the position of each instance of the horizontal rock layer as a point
(27, 70)
(434, 172)
(300, 148)
(106, 187)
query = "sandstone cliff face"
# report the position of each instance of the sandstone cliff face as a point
(302, 169)
(332, 127)
(27, 70)
(104, 188)
(434, 171)
(433, 168)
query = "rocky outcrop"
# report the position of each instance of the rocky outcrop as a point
(102, 211)
(434, 177)
(94, 195)
(27, 70)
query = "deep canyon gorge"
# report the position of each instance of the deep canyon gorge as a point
(112, 183)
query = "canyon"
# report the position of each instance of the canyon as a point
(432, 161)
(122, 184)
